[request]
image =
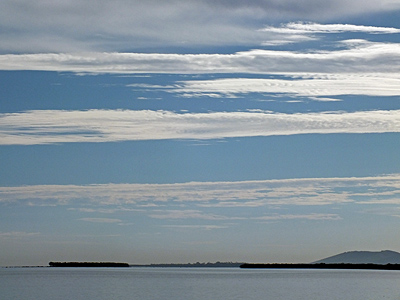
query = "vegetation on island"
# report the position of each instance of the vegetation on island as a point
(343, 266)
(217, 264)
(382, 260)
(89, 264)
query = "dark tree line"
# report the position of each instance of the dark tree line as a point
(88, 264)
(323, 266)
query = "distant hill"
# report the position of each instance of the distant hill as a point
(363, 257)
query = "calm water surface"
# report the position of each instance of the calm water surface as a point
(196, 284)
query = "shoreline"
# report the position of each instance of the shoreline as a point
(341, 266)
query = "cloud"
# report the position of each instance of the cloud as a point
(101, 25)
(201, 227)
(102, 210)
(314, 216)
(305, 28)
(18, 234)
(296, 32)
(100, 220)
(58, 126)
(356, 56)
(315, 86)
(325, 99)
(187, 214)
(285, 200)
(308, 199)
(390, 211)
(129, 197)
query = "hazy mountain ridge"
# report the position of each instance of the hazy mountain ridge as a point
(363, 257)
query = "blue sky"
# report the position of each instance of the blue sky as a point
(257, 131)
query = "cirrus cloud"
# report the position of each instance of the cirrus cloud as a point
(130, 197)
(308, 199)
(302, 27)
(18, 234)
(313, 216)
(58, 126)
(101, 220)
(314, 86)
(356, 56)
(296, 32)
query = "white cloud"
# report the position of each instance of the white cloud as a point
(313, 216)
(389, 210)
(306, 28)
(315, 86)
(357, 56)
(102, 210)
(57, 126)
(325, 99)
(202, 227)
(296, 32)
(100, 220)
(187, 214)
(18, 234)
(305, 199)
(129, 197)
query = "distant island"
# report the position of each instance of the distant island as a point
(323, 266)
(89, 264)
(380, 260)
(125, 265)
(363, 257)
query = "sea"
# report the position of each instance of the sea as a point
(137, 283)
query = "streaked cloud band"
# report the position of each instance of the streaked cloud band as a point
(353, 56)
(59, 126)
(303, 85)
(305, 28)
(140, 197)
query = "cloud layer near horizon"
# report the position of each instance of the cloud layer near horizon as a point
(58, 126)
(203, 200)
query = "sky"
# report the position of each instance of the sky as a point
(198, 131)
